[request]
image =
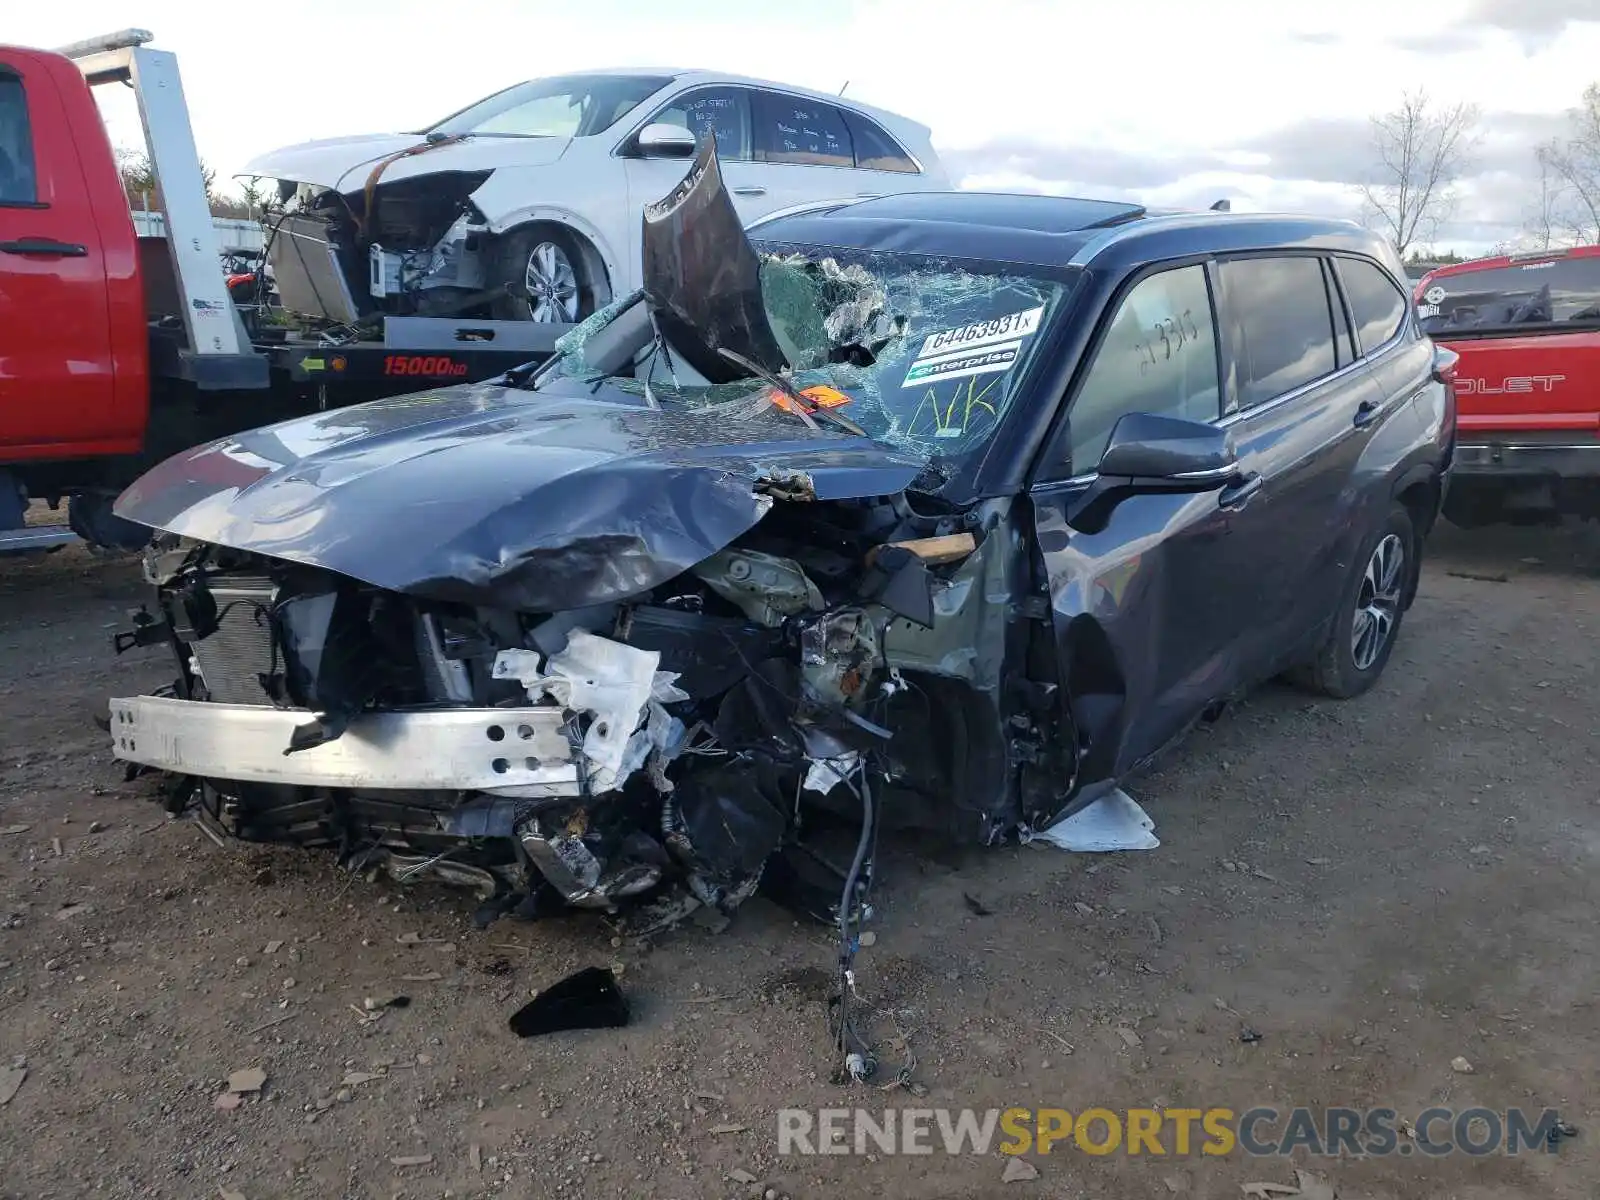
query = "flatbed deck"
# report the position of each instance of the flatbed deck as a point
(419, 350)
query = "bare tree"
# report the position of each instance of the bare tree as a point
(1422, 151)
(1542, 229)
(139, 180)
(1569, 171)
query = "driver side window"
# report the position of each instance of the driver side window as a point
(723, 111)
(1159, 355)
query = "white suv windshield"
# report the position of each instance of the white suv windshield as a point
(564, 106)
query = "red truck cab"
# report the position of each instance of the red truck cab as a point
(115, 350)
(74, 347)
(1527, 329)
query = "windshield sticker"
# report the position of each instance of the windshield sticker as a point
(951, 415)
(987, 361)
(983, 333)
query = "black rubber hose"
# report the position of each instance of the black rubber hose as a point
(846, 952)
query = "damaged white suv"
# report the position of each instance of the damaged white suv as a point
(526, 205)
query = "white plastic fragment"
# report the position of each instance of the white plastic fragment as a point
(1113, 822)
(612, 682)
(824, 774)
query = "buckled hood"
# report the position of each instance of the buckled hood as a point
(497, 496)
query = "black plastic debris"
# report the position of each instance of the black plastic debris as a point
(1560, 1131)
(1249, 1036)
(590, 999)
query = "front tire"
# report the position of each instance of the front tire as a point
(1368, 621)
(545, 276)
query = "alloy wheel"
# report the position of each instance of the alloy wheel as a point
(552, 286)
(1378, 601)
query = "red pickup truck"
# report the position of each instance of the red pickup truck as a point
(115, 350)
(1527, 328)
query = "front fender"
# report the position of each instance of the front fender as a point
(558, 214)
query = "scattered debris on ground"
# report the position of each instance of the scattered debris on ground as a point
(1018, 1170)
(590, 999)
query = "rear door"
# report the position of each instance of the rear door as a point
(1528, 333)
(56, 381)
(805, 151)
(1303, 408)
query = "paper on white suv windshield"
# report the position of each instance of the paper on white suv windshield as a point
(982, 348)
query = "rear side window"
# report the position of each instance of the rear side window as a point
(723, 111)
(1548, 292)
(793, 130)
(1159, 355)
(875, 149)
(1281, 325)
(18, 184)
(1376, 303)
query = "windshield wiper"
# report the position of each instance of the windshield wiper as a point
(803, 408)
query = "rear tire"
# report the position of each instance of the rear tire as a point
(1368, 621)
(546, 276)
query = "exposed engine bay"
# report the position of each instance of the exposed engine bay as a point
(408, 247)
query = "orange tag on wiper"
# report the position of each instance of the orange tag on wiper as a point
(820, 395)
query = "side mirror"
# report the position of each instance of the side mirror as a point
(1169, 454)
(1147, 454)
(661, 140)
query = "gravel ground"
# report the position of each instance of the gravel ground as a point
(1376, 887)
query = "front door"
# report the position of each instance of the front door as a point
(56, 384)
(1148, 610)
(724, 111)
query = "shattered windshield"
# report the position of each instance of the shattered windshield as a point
(922, 353)
(564, 106)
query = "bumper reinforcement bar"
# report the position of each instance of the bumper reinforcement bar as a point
(476, 749)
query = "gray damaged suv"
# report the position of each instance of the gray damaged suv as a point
(946, 509)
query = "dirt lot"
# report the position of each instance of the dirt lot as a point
(1375, 887)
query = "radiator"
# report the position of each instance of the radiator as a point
(239, 652)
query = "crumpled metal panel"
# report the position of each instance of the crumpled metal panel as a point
(702, 275)
(502, 497)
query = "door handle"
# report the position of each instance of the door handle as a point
(45, 246)
(1236, 495)
(1366, 413)
(750, 189)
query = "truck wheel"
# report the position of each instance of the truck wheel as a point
(545, 276)
(1368, 621)
(90, 516)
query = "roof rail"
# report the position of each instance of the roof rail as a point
(123, 39)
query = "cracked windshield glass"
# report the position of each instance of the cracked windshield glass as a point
(925, 354)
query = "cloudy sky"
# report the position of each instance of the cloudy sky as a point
(1164, 101)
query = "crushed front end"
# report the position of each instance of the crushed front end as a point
(687, 736)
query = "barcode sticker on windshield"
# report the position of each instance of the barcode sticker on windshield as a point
(982, 333)
(986, 361)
